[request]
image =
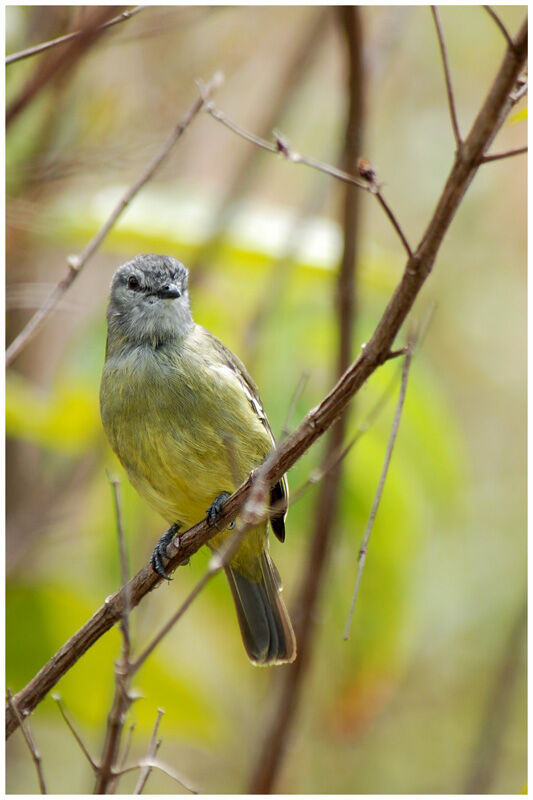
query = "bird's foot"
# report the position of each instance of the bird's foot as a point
(160, 551)
(213, 512)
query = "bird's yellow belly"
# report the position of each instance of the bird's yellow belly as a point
(183, 443)
(185, 503)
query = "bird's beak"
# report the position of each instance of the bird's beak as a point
(170, 291)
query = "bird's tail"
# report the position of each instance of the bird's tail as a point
(265, 625)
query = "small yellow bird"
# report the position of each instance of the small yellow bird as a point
(186, 421)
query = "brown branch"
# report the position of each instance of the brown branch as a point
(273, 747)
(396, 225)
(76, 263)
(122, 701)
(500, 25)
(518, 151)
(319, 419)
(361, 559)
(61, 63)
(447, 77)
(283, 148)
(68, 37)
(32, 747)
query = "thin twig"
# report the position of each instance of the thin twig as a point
(500, 25)
(518, 151)
(59, 64)
(127, 745)
(126, 643)
(153, 747)
(155, 764)
(212, 570)
(447, 76)
(333, 459)
(286, 429)
(40, 48)
(77, 262)
(396, 225)
(282, 147)
(417, 268)
(361, 560)
(35, 754)
(75, 733)
(392, 354)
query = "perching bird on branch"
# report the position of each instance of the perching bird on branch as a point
(186, 421)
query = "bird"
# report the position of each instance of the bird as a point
(186, 421)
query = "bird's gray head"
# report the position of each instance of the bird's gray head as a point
(149, 302)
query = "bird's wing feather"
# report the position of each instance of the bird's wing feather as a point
(279, 495)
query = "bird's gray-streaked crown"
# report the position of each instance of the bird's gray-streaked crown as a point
(149, 302)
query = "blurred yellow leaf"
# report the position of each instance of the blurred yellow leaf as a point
(64, 421)
(518, 116)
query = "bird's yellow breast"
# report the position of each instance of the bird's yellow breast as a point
(182, 426)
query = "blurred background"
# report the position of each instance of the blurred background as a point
(428, 694)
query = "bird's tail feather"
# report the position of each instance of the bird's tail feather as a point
(265, 625)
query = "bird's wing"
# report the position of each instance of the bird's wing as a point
(279, 495)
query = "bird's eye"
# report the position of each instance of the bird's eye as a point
(133, 282)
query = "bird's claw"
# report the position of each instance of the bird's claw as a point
(213, 512)
(159, 554)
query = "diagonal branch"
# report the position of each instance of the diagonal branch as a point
(75, 733)
(447, 77)
(518, 151)
(417, 269)
(500, 25)
(60, 63)
(76, 263)
(68, 37)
